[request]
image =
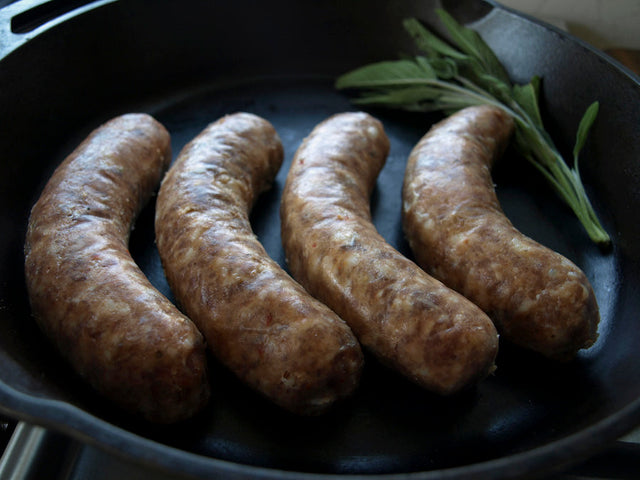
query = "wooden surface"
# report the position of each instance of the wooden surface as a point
(628, 57)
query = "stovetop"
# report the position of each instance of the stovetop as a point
(6, 429)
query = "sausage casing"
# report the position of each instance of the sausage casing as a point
(409, 320)
(86, 292)
(257, 320)
(459, 233)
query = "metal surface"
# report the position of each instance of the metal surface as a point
(35, 453)
(188, 63)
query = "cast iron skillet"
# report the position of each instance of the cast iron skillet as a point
(66, 67)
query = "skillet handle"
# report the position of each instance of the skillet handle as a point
(24, 20)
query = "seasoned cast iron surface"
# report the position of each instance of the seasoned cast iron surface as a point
(390, 425)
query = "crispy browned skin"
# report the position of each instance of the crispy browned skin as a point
(86, 292)
(258, 321)
(433, 335)
(453, 221)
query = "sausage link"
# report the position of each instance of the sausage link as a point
(86, 292)
(409, 320)
(257, 320)
(458, 232)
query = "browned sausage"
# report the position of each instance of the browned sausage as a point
(257, 320)
(87, 294)
(458, 232)
(433, 335)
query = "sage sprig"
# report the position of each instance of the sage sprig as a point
(449, 77)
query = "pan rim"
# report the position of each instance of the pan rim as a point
(84, 427)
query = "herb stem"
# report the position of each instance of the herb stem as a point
(566, 182)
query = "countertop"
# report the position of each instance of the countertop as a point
(612, 26)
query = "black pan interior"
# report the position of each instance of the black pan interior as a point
(188, 63)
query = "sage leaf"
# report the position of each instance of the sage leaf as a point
(386, 73)
(428, 42)
(583, 129)
(527, 98)
(472, 44)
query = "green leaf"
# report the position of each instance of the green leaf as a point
(445, 68)
(387, 73)
(494, 85)
(583, 129)
(400, 97)
(527, 97)
(426, 66)
(473, 45)
(428, 42)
